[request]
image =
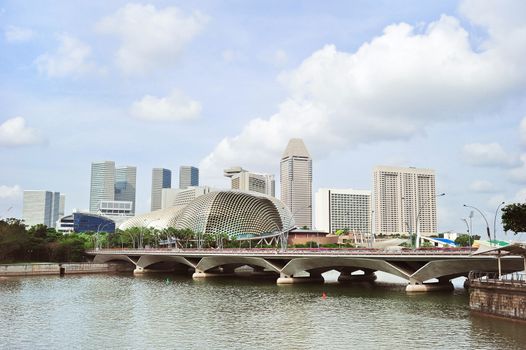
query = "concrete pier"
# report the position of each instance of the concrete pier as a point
(284, 279)
(429, 287)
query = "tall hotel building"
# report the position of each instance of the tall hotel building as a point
(109, 183)
(399, 195)
(188, 176)
(339, 209)
(42, 207)
(241, 179)
(161, 178)
(296, 182)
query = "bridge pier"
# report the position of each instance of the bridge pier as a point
(285, 279)
(441, 285)
(198, 274)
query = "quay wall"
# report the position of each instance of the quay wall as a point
(498, 299)
(37, 269)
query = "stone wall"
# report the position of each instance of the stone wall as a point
(36, 269)
(499, 298)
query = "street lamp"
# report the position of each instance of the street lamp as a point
(484, 217)
(417, 243)
(495, 222)
(469, 232)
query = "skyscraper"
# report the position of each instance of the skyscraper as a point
(296, 182)
(109, 183)
(188, 176)
(161, 178)
(102, 184)
(125, 183)
(41, 207)
(244, 180)
(400, 194)
(343, 209)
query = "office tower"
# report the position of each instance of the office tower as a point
(161, 178)
(241, 179)
(343, 209)
(62, 205)
(296, 182)
(400, 194)
(102, 184)
(188, 176)
(125, 184)
(41, 207)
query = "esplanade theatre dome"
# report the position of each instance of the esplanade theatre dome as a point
(236, 213)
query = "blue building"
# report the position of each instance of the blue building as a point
(85, 222)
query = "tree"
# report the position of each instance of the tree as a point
(514, 217)
(465, 240)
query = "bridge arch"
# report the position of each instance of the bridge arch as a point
(100, 259)
(209, 263)
(322, 263)
(147, 260)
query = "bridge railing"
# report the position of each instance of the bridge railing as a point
(485, 277)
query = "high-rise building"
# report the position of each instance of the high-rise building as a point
(41, 207)
(343, 209)
(400, 194)
(62, 205)
(102, 184)
(109, 183)
(241, 179)
(125, 184)
(296, 182)
(188, 176)
(161, 178)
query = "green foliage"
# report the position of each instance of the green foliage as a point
(427, 244)
(514, 217)
(38, 243)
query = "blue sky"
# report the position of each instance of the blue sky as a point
(223, 83)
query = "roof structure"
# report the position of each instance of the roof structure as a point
(296, 147)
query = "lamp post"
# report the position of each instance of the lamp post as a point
(495, 221)
(484, 217)
(417, 243)
(469, 232)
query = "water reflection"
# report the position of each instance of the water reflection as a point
(169, 311)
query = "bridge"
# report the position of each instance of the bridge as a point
(293, 265)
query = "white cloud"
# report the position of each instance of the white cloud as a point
(482, 186)
(72, 58)
(7, 192)
(520, 196)
(488, 155)
(518, 175)
(150, 38)
(174, 107)
(15, 34)
(14, 133)
(522, 130)
(392, 87)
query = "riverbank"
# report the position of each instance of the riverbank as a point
(39, 269)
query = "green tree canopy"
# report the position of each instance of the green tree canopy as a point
(514, 217)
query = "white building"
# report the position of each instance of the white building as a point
(41, 207)
(296, 182)
(110, 183)
(400, 194)
(172, 197)
(343, 209)
(118, 211)
(161, 178)
(241, 179)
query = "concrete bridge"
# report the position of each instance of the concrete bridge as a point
(416, 266)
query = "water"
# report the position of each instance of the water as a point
(151, 312)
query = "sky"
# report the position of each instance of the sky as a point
(214, 84)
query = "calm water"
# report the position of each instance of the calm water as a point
(127, 312)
